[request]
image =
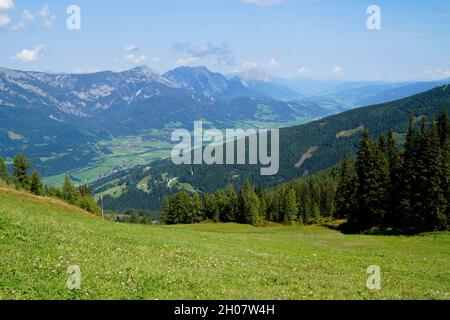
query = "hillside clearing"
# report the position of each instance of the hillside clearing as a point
(40, 239)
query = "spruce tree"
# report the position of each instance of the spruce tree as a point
(221, 206)
(249, 206)
(346, 190)
(431, 203)
(360, 217)
(262, 208)
(232, 200)
(443, 124)
(182, 208)
(291, 207)
(197, 207)
(395, 177)
(373, 175)
(382, 143)
(20, 171)
(36, 186)
(85, 190)
(166, 210)
(209, 207)
(408, 180)
(69, 192)
(4, 174)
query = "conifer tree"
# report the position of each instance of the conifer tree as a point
(382, 183)
(249, 206)
(221, 206)
(232, 200)
(395, 163)
(85, 190)
(431, 203)
(443, 124)
(371, 196)
(209, 206)
(36, 186)
(20, 171)
(262, 208)
(408, 180)
(69, 191)
(197, 208)
(382, 143)
(4, 174)
(182, 208)
(166, 210)
(291, 206)
(346, 190)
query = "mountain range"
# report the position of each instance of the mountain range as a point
(59, 120)
(60, 117)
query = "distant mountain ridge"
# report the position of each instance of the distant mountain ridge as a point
(209, 84)
(259, 81)
(361, 93)
(56, 119)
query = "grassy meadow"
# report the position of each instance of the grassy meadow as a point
(41, 238)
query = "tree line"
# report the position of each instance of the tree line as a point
(384, 187)
(306, 201)
(405, 189)
(22, 180)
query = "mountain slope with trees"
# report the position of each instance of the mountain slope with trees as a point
(21, 180)
(320, 145)
(387, 188)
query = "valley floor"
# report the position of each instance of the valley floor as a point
(40, 239)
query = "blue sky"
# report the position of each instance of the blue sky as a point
(290, 38)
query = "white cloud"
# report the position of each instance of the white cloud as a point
(27, 55)
(6, 5)
(4, 20)
(27, 16)
(130, 49)
(304, 70)
(441, 73)
(263, 3)
(135, 58)
(221, 54)
(273, 64)
(47, 17)
(81, 70)
(187, 62)
(19, 26)
(337, 71)
(250, 65)
(131, 54)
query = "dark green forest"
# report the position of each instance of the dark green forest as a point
(384, 187)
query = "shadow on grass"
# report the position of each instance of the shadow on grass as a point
(346, 227)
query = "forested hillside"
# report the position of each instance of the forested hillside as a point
(304, 150)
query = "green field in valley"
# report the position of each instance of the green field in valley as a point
(41, 238)
(123, 153)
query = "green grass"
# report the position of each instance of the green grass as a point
(124, 152)
(39, 239)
